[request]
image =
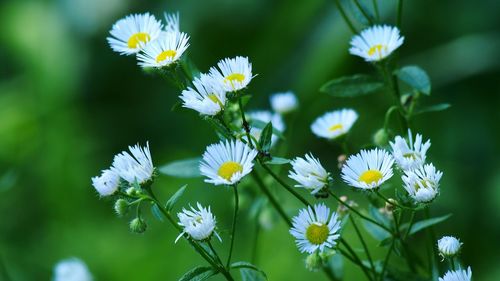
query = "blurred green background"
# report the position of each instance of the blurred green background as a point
(68, 104)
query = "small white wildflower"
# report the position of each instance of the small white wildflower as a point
(107, 183)
(165, 50)
(410, 155)
(457, 275)
(265, 117)
(173, 22)
(448, 246)
(334, 124)
(422, 184)
(207, 97)
(136, 167)
(284, 103)
(376, 43)
(199, 224)
(309, 173)
(233, 74)
(72, 269)
(368, 169)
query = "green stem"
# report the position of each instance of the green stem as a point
(386, 260)
(362, 10)
(432, 236)
(392, 203)
(375, 8)
(403, 244)
(255, 240)
(233, 228)
(245, 124)
(393, 83)
(400, 13)
(412, 219)
(271, 198)
(285, 185)
(356, 258)
(452, 262)
(358, 213)
(344, 16)
(215, 253)
(365, 247)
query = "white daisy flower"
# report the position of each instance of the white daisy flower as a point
(409, 155)
(376, 43)
(172, 22)
(334, 124)
(130, 35)
(368, 169)
(199, 224)
(107, 183)
(227, 162)
(266, 117)
(233, 74)
(422, 184)
(136, 167)
(309, 173)
(207, 97)
(284, 103)
(448, 246)
(457, 275)
(72, 269)
(165, 50)
(315, 229)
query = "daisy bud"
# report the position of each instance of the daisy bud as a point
(448, 246)
(138, 225)
(381, 138)
(121, 207)
(314, 262)
(341, 160)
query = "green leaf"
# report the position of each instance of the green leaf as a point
(198, 273)
(352, 86)
(155, 210)
(415, 77)
(174, 198)
(185, 168)
(249, 272)
(261, 125)
(265, 137)
(220, 129)
(278, 161)
(427, 223)
(336, 264)
(376, 231)
(433, 108)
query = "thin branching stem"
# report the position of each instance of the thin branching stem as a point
(285, 185)
(375, 8)
(271, 198)
(233, 228)
(362, 10)
(365, 247)
(356, 260)
(400, 13)
(386, 260)
(345, 17)
(245, 124)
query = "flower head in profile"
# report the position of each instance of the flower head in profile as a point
(409, 155)
(233, 74)
(309, 174)
(449, 246)
(284, 103)
(197, 223)
(422, 184)
(72, 269)
(368, 169)
(334, 124)
(207, 96)
(376, 43)
(227, 162)
(265, 117)
(137, 167)
(107, 183)
(130, 34)
(457, 275)
(165, 50)
(315, 229)
(173, 22)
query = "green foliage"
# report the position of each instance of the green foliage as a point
(433, 108)
(198, 273)
(174, 198)
(185, 168)
(265, 137)
(278, 161)
(352, 86)
(249, 272)
(416, 77)
(423, 224)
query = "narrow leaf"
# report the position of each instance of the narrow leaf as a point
(352, 86)
(278, 161)
(198, 274)
(156, 212)
(415, 77)
(175, 197)
(427, 223)
(433, 108)
(186, 168)
(261, 125)
(246, 265)
(265, 137)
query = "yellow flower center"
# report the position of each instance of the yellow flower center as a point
(228, 169)
(214, 98)
(317, 233)
(370, 176)
(335, 127)
(168, 54)
(377, 49)
(140, 37)
(234, 77)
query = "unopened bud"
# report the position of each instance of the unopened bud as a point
(313, 262)
(381, 138)
(341, 160)
(121, 207)
(138, 225)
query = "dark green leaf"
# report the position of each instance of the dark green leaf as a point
(249, 271)
(174, 198)
(198, 273)
(155, 210)
(278, 161)
(336, 264)
(416, 77)
(433, 108)
(261, 125)
(186, 168)
(385, 242)
(376, 231)
(265, 137)
(352, 86)
(427, 223)
(220, 129)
